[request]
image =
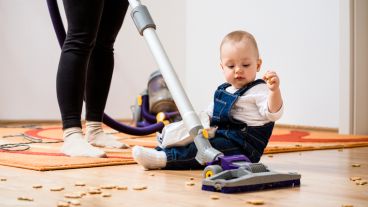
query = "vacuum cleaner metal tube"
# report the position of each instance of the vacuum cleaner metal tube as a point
(205, 151)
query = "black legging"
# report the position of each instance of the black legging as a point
(87, 58)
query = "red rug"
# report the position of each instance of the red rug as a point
(44, 142)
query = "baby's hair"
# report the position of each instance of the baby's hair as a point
(238, 36)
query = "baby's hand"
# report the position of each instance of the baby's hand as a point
(272, 80)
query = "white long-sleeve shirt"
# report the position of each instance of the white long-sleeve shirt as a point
(252, 107)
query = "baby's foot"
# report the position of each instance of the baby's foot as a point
(97, 137)
(150, 159)
(76, 146)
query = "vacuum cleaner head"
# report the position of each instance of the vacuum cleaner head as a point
(246, 177)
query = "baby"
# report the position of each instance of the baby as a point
(243, 110)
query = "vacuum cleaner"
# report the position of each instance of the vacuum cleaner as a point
(225, 174)
(155, 104)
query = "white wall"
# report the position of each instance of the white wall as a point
(29, 55)
(298, 39)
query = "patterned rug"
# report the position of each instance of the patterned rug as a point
(37, 147)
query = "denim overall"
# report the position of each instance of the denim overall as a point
(252, 139)
(232, 137)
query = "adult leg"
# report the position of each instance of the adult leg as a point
(101, 64)
(83, 18)
(100, 72)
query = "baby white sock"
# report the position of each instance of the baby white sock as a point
(96, 136)
(150, 159)
(76, 146)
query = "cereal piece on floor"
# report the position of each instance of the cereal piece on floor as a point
(340, 150)
(298, 145)
(189, 183)
(361, 182)
(57, 188)
(355, 165)
(271, 155)
(74, 202)
(3, 179)
(347, 205)
(255, 202)
(37, 186)
(94, 190)
(191, 178)
(214, 197)
(63, 204)
(139, 187)
(151, 174)
(80, 184)
(72, 195)
(106, 195)
(108, 186)
(355, 178)
(122, 187)
(22, 198)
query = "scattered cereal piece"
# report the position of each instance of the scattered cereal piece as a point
(79, 184)
(347, 205)
(191, 178)
(270, 155)
(361, 182)
(255, 202)
(122, 187)
(94, 190)
(151, 174)
(106, 195)
(63, 204)
(340, 150)
(2, 179)
(355, 178)
(25, 198)
(214, 197)
(57, 189)
(355, 165)
(189, 183)
(74, 202)
(298, 145)
(139, 187)
(72, 195)
(108, 186)
(37, 186)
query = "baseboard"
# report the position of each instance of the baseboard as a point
(317, 128)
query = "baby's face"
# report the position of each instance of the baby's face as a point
(240, 63)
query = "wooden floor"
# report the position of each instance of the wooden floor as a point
(325, 182)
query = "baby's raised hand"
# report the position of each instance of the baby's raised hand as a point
(272, 80)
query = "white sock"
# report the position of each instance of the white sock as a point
(150, 159)
(97, 137)
(76, 146)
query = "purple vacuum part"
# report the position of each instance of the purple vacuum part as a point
(148, 116)
(139, 131)
(145, 111)
(257, 187)
(227, 162)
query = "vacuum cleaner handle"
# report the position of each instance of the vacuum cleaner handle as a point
(146, 27)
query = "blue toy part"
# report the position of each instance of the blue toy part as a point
(233, 174)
